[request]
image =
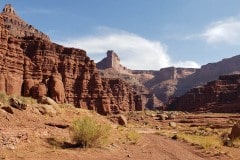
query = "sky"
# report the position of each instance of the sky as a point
(146, 34)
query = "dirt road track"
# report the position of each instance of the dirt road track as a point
(151, 147)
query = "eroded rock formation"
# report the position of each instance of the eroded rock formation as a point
(112, 61)
(110, 67)
(222, 95)
(31, 65)
(17, 26)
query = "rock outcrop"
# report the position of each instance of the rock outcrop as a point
(165, 81)
(110, 67)
(207, 73)
(31, 65)
(112, 61)
(18, 27)
(222, 95)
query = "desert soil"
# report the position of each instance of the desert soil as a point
(26, 135)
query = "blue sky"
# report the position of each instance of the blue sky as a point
(146, 34)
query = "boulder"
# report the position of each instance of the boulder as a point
(49, 101)
(235, 133)
(7, 109)
(122, 120)
(45, 109)
(171, 116)
(173, 124)
(163, 116)
(16, 103)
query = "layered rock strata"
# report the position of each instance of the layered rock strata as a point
(222, 95)
(31, 65)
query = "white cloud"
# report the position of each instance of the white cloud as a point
(226, 31)
(134, 51)
(187, 64)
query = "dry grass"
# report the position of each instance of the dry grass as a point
(4, 98)
(27, 100)
(65, 105)
(87, 132)
(205, 142)
(133, 136)
(236, 142)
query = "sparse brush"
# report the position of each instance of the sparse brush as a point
(133, 136)
(65, 105)
(204, 141)
(236, 142)
(4, 98)
(86, 132)
(27, 100)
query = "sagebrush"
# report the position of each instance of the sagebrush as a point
(133, 136)
(86, 132)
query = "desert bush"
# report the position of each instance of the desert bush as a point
(86, 132)
(236, 142)
(133, 136)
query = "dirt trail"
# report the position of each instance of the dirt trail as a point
(151, 147)
(30, 136)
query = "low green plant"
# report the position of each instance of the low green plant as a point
(86, 132)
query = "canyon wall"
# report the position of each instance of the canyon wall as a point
(31, 65)
(222, 95)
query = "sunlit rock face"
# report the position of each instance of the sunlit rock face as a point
(31, 65)
(222, 95)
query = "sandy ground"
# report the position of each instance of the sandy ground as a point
(27, 136)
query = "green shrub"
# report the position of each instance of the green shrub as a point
(87, 132)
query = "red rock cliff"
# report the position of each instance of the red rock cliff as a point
(31, 65)
(222, 95)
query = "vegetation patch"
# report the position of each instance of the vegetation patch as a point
(4, 98)
(86, 132)
(27, 100)
(236, 142)
(133, 136)
(205, 142)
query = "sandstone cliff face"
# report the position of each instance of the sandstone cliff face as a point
(31, 65)
(110, 67)
(12, 61)
(209, 72)
(164, 83)
(112, 61)
(17, 27)
(222, 95)
(168, 82)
